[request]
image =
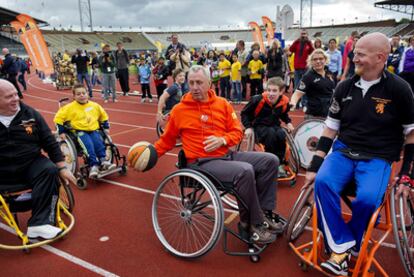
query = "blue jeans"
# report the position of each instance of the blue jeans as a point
(85, 76)
(298, 77)
(94, 146)
(337, 171)
(108, 85)
(237, 93)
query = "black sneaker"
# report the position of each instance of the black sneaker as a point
(273, 223)
(337, 264)
(260, 234)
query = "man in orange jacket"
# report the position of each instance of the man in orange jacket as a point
(208, 127)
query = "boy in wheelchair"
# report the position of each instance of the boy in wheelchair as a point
(86, 118)
(262, 116)
(23, 135)
(208, 127)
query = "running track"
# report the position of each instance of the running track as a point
(113, 234)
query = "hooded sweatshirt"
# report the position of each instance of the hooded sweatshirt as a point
(194, 121)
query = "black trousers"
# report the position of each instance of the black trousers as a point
(273, 138)
(146, 91)
(123, 76)
(12, 78)
(244, 86)
(160, 89)
(256, 87)
(225, 87)
(42, 176)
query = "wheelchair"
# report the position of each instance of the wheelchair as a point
(160, 129)
(313, 253)
(72, 149)
(17, 199)
(292, 159)
(188, 215)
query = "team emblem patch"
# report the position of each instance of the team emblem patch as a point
(28, 125)
(380, 104)
(334, 108)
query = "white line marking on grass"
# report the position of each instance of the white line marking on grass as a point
(68, 257)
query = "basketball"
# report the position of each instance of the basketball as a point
(142, 156)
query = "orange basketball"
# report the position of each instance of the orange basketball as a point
(142, 156)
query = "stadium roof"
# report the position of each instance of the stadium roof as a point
(7, 15)
(395, 2)
(401, 6)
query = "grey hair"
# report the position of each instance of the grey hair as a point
(196, 68)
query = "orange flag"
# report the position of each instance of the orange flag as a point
(257, 34)
(269, 29)
(34, 43)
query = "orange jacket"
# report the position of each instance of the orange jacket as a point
(194, 121)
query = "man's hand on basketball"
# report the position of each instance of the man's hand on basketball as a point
(212, 143)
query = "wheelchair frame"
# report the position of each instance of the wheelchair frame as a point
(64, 206)
(190, 204)
(312, 253)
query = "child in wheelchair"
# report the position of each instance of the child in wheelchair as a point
(263, 114)
(86, 118)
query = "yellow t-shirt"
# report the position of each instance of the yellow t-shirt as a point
(254, 67)
(224, 68)
(235, 71)
(86, 117)
(291, 61)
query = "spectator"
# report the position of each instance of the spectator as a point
(395, 56)
(335, 60)
(317, 44)
(349, 69)
(95, 70)
(406, 67)
(242, 54)
(144, 76)
(236, 79)
(11, 68)
(22, 69)
(82, 61)
(224, 66)
(256, 70)
(349, 46)
(107, 65)
(276, 61)
(160, 73)
(177, 52)
(122, 63)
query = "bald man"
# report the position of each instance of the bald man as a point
(23, 134)
(371, 117)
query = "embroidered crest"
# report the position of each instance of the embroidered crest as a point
(334, 108)
(380, 104)
(28, 125)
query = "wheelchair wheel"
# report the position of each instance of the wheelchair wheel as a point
(187, 214)
(66, 197)
(402, 216)
(293, 157)
(160, 131)
(301, 214)
(70, 153)
(247, 144)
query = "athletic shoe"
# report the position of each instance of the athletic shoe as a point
(150, 100)
(337, 264)
(273, 223)
(46, 231)
(126, 93)
(107, 165)
(260, 234)
(115, 100)
(354, 252)
(93, 173)
(143, 100)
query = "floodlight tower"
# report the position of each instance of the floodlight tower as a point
(85, 14)
(306, 7)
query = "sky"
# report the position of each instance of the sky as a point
(172, 14)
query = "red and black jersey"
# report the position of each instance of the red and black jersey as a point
(259, 111)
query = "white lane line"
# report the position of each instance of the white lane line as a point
(69, 257)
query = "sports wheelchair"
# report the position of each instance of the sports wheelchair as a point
(160, 128)
(188, 215)
(72, 149)
(292, 160)
(313, 253)
(17, 199)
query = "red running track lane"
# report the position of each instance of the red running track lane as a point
(119, 207)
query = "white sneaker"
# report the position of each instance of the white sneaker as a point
(143, 100)
(46, 231)
(150, 100)
(107, 165)
(93, 173)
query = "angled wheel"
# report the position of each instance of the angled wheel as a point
(301, 214)
(187, 214)
(68, 148)
(292, 158)
(402, 216)
(66, 197)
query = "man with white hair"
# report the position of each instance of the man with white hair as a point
(11, 69)
(372, 114)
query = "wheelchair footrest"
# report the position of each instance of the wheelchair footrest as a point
(102, 174)
(244, 236)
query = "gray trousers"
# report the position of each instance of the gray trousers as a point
(108, 85)
(254, 175)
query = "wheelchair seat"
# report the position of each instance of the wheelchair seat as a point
(18, 197)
